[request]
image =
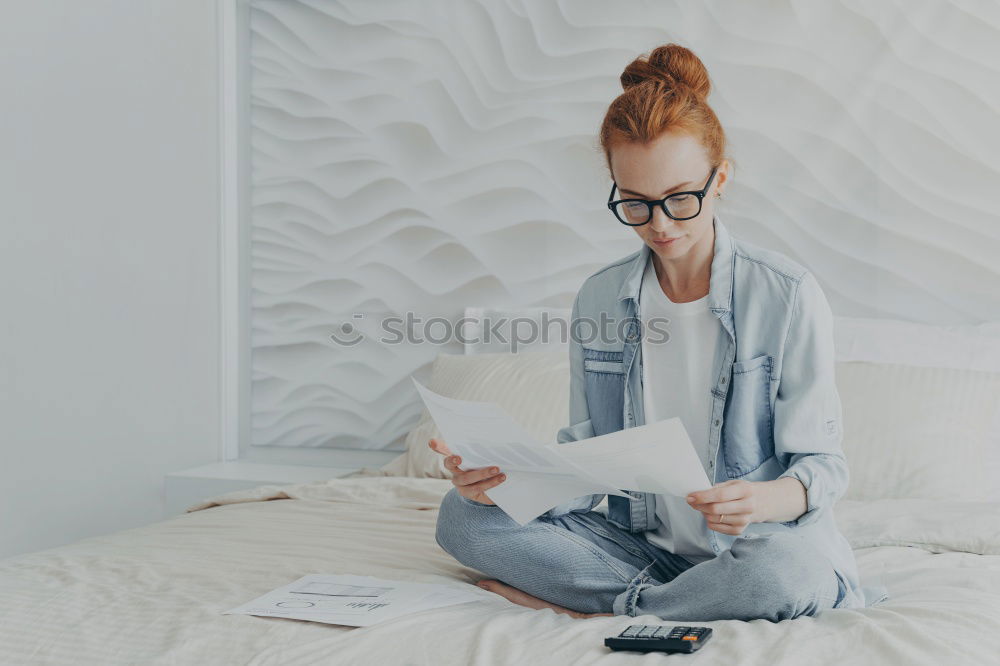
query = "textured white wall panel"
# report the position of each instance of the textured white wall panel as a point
(425, 156)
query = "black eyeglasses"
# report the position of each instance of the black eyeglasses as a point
(677, 206)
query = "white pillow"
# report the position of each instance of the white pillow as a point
(909, 432)
(962, 347)
(532, 388)
(916, 432)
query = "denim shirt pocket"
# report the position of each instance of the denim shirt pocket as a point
(604, 374)
(747, 432)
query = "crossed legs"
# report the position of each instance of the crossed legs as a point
(581, 562)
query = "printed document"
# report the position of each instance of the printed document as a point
(656, 458)
(355, 601)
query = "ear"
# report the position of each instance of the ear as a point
(721, 176)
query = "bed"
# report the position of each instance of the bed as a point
(155, 594)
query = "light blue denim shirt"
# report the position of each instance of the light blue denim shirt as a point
(775, 407)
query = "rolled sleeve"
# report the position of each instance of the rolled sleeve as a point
(807, 410)
(580, 426)
(824, 476)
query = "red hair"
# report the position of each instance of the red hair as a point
(665, 90)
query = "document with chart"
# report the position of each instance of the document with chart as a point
(657, 457)
(355, 601)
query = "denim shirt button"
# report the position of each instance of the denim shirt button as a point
(716, 423)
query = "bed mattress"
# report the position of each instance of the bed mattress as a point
(155, 594)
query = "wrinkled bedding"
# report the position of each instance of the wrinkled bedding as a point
(154, 594)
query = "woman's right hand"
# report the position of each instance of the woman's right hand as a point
(471, 484)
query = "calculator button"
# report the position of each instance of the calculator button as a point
(690, 638)
(645, 633)
(660, 631)
(631, 631)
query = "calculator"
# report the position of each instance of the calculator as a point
(658, 638)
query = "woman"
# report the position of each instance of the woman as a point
(748, 366)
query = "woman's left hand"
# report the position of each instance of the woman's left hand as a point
(728, 506)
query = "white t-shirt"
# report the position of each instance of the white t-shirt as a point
(677, 381)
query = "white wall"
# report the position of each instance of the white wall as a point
(426, 156)
(108, 261)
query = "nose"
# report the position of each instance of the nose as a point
(660, 222)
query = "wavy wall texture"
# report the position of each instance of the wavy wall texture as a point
(426, 156)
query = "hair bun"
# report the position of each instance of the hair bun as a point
(671, 65)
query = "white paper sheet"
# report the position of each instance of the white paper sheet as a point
(355, 601)
(657, 457)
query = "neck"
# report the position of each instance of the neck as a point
(687, 278)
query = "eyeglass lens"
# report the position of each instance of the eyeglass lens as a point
(638, 212)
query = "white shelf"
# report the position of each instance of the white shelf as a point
(189, 486)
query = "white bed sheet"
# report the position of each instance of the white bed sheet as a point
(153, 595)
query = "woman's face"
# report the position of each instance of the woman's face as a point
(672, 163)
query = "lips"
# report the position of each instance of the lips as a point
(664, 241)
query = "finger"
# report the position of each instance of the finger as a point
(451, 464)
(439, 446)
(474, 475)
(734, 508)
(728, 520)
(729, 490)
(483, 486)
(732, 525)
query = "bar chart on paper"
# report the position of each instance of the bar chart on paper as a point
(355, 601)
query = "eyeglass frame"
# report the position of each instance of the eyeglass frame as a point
(662, 203)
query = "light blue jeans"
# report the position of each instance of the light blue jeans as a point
(582, 562)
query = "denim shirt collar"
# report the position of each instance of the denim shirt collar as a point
(720, 289)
